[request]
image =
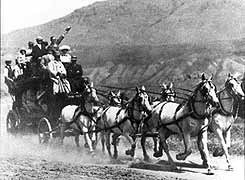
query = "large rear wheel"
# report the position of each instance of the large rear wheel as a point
(44, 131)
(12, 122)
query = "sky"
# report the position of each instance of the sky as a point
(17, 14)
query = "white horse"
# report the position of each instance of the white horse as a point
(186, 119)
(123, 121)
(223, 118)
(72, 117)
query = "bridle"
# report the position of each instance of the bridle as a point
(206, 99)
(136, 102)
(233, 95)
(230, 89)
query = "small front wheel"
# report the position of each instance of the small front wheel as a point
(44, 131)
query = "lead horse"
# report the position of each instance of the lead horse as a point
(186, 119)
(222, 118)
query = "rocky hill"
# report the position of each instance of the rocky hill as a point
(128, 42)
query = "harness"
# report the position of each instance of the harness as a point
(222, 110)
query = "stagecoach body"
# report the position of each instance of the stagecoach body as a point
(36, 110)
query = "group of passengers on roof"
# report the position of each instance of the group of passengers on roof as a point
(45, 60)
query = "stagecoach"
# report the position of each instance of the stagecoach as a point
(42, 116)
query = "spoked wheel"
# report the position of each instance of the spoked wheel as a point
(44, 131)
(12, 122)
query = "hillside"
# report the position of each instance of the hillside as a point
(130, 42)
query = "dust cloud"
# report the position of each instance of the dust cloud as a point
(27, 146)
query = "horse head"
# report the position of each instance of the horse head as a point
(207, 91)
(234, 87)
(90, 93)
(114, 99)
(142, 100)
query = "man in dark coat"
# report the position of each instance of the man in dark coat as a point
(39, 49)
(37, 52)
(9, 76)
(74, 75)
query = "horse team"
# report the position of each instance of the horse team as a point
(205, 109)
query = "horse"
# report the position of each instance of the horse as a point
(114, 99)
(123, 121)
(73, 117)
(223, 117)
(186, 119)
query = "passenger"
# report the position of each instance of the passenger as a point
(58, 75)
(18, 70)
(28, 69)
(74, 70)
(65, 57)
(54, 43)
(74, 75)
(29, 50)
(37, 52)
(22, 57)
(39, 49)
(164, 94)
(171, 93)
(29, 101)
(9, 76)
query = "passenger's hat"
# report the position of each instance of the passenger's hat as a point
(22, 49)
(39, 38)
(8, 61)
(8, 58)
(64, 47)
(73, 58)
(52, 37)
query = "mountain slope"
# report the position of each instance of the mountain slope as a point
(150, 41)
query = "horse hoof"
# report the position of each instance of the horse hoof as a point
(129, 152)
(86, 145)
(218, 152)
(205, 164)
(180, 157)
(210, 172)
(115, 156)
(157, 154)
(146, 158)
(230, 168)
(174, 167)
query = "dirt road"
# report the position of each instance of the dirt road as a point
(21, 157)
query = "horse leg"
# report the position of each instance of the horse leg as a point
(187, 143)
(224, 146)
(77, 140)
(114, 142)
(155, 144)
(163, 138)
(143, 138)
(86, 142)
(102, 136)
(108, 143)
(94, 140)
(203, 148)
(158, 153)
(227, 136)
(62, 133)
(133, 145)
(87, 137)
